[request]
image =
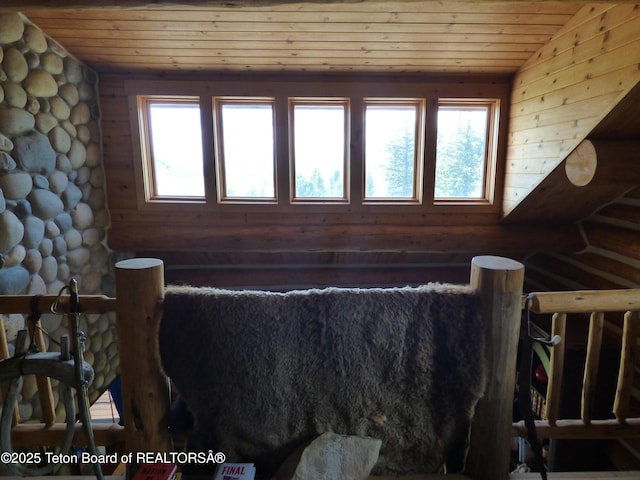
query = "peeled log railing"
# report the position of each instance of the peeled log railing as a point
(594, 303)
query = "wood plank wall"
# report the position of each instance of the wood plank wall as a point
(588, 66)
(611, 260)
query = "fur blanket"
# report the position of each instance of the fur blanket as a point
(263, 373)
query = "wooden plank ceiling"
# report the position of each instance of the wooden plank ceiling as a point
(367, 36)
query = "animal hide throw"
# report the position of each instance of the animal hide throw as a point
(263, 373)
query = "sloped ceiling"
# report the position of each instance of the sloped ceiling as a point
(365, 36)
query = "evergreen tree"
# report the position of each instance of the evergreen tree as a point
(401, 166)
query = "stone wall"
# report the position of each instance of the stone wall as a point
(53, 215)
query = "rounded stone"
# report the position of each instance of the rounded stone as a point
(86, 92)
(58, 182)
(44, 122)
(11, 230)
(41, 84)
(15, 121)
(40, 181)
(49, 269)
(14, 95)
(13, 323)
(16, 185)
(84, 134)
(77, 154)
(59, 108)
(52, 63)
(91, 284)
(54, 287)
(59, 246)
(94, 155)
(92, 236)
(55, 47)
(73, 239)
(63, 163)
(29, 386)
(72, 70)
(6, 145)
(99, 256)
(82, 216)
(35, 39)
(69, 92)
(33, 232)
(102, 218)
(22, 209)
(37, 286)
(51, 230)
(69, 128)
(15, 65)
(60, 140)
(34, 153)
(15, 256)
(46, 246)
(84, 173)
(64, 272)
(33, 105)
(7, 163)
(78, 257)
(33, 261)
(80, 114)
(97, 177)
(71, 196)
(11, 27)
(63, 221)
(45, 204)
(33, 60)
(97, 199)
(3, 207)
(14, 280)
(86, 192)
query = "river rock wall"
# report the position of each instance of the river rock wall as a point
(53, 211)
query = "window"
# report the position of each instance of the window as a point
(246, 158)
(173, 169)
(464, 150)
(393, 140)
(318, 155)
(320, 145)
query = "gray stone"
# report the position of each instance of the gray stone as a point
(73, 238)
(69, 92)
(11, 27)
(332, 456)
(45, 122)
(97, 199)
(33, 232)
(46, 246)
(94, 155)
(56, 48)
(58, 182)
(7, 162)
(45, 107)
(63, 221)
(16, 185)
(14, 280)
(59, 246)
(84, 134)
(33, 105)
(78, 257)
(49, 269)
(97, 177)
(33, 60)
(22, 209)
(82, 216)
(15, 95)
(45, 204)
(40, 84)
(15, 256)
(72, 70)
(60, 140)
(35, 39)
(51, 62)
(92, 236)
(3, 78)
(15, 121)
(40, 181)
(86, 92)
(69, 127)
(63, 164)
(77, 154)
(13, 323)
(37, 286)
(34, 153)
(84, 174)
(71, 196)
(15, 65)
(6, 145)
(64, 272)
(3, 205)
(59, 108)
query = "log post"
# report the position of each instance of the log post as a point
(145, 389)
(604, 163)
(499, 282)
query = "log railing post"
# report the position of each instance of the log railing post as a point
(145, 389)
(499, 282)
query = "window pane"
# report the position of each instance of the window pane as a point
(461, 152)
(176, 149)
(319, 154)
(247, 150)
(390, 151)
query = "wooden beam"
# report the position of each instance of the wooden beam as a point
(585, 301)
(499, 282)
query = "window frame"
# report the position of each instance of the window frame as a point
(354, 87)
